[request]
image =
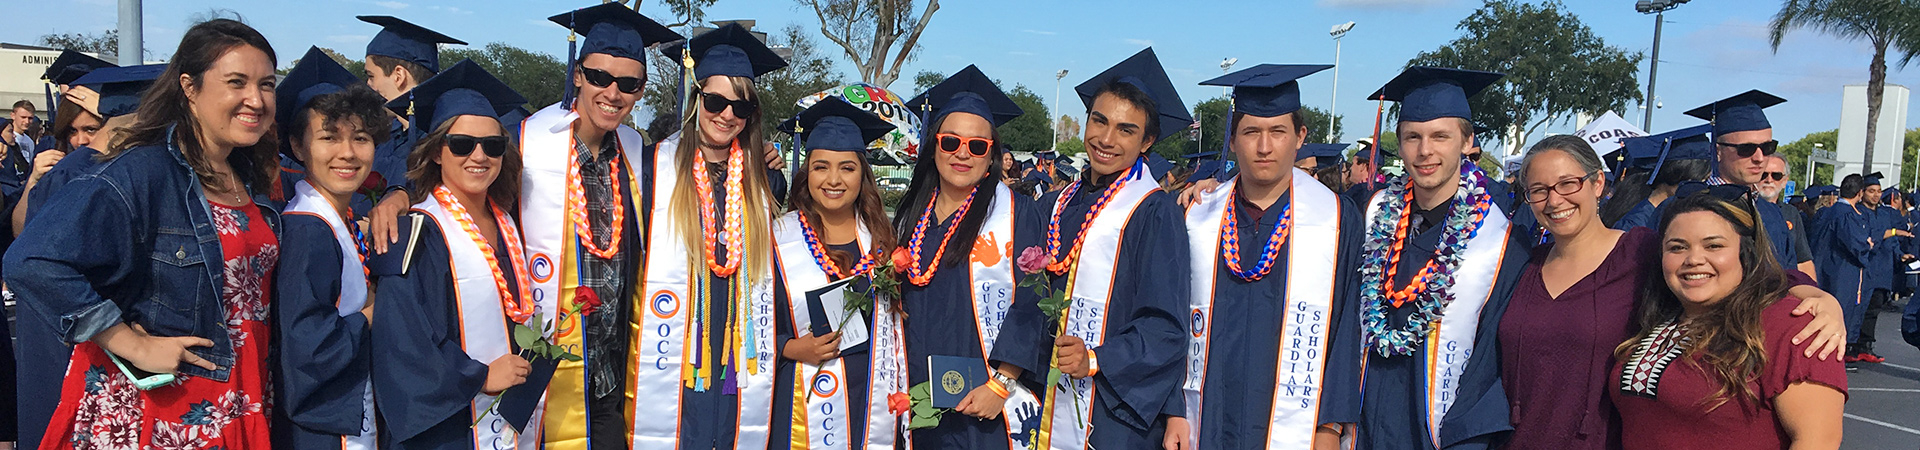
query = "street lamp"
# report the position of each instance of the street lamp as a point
(1338, 31)
(1200, 128)
(1819, 151)
(1659, 10)
(1056, 109)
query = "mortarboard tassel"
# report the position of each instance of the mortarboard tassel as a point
(53, 108)
(573, 48)
(1666, 144)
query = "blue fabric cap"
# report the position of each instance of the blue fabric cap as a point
(120, 88)
(833, 124)
(1159, 165)
(1046, 156)
(1143, 70)
(1428, 93)
(968, 91)
(1266, 90)
(314, 76)
(1206, 169)
(405, 41)
(1200, 155)
(465, 89)
(615, 30)
(1477, 131)
(512, 120)
(1328, 153)
(72, 65)
(1741, 112)
(1872, 179)
(731, 51)
(1652, 152)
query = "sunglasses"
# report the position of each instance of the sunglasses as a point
(1746, 150)
(977, 146)
(600, 78)
(462, 145)
(1775, 176)
(715, 103)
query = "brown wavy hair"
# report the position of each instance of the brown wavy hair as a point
(425, 173)
(1728, 335)
(164, 105)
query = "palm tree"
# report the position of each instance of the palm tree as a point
(1882, 23)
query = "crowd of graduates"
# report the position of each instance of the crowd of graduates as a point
(204, 247)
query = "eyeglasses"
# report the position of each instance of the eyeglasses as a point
(977, 146)
(1566, 186)
(715, 103)
(1775, 176)
(600, 78)
(462, 145)
(1746, 150)
(1729, 192)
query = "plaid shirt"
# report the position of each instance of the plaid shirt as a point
(602, 275)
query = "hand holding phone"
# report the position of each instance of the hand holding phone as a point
(151, 355)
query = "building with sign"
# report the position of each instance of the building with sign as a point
(20, 69)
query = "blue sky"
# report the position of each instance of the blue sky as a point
(1711, 48)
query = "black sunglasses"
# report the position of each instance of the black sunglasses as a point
(1746, 150)
(600, 78)
(1776, 176)
(462, 145)
(715, 103)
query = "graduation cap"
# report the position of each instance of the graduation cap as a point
(71, 65)
(465, 89)
(1159, 165)
(968, 91)
(314, 76)
(835, 125)
(1046, 156)
(1143, 70)
(1730, 192)
(1205, 170)
(1324, 155)
(1653, 151)
(1477, 131)
(615, 30)
(1741, 112)
(1266, 90)
(402, 40)
(1428, 93)
(732, 51)
(1066, 171)
(513, 118)
(1200, 155)
(1888, 195)
(1872, 179)
(120, 88)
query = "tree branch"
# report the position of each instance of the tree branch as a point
(913, 40)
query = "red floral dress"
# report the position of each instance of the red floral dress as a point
(101, 409)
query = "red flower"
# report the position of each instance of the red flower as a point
(374, 182)
(1033, 260)
(899, 403)
(587, 299)
(902, 259)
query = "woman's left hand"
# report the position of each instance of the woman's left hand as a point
(1828, 329)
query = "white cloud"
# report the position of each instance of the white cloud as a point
(1040, 32)
(392, 4)
(449, 10)
(1380, 4)
(1139, 42)
(350, 38)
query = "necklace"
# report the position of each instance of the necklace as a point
(577, 208)
(1230, 241)
(731, 230)
(1058, 263)
(1429, 291)
(915, 274)
(820, 254)
(518, 307)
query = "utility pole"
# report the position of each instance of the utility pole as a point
(130, 34)
(1333, 109)
(1659, 10)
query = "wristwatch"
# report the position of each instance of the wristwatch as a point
(1003, 379)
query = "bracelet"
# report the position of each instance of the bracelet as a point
(994, 385)
(1093, 363)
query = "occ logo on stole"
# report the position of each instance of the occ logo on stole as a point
(664, 305)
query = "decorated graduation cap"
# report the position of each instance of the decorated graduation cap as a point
(968, 91)
(402, 40)
(1143, 71)
(71, 65)
(314, 76)
(732, 51)
(615, 30)
(1652, 152)
(1266, 90)
(1741, 112)
(1429, 93)
(835, 125)
(462, 90)
(120, 88)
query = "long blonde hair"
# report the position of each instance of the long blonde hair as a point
(757, 213)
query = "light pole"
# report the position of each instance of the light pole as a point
(1062, 74)
(1659, 10)
(1200, 129)
(1819, 150)
(1339, 31)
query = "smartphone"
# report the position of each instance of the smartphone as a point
(142, 379)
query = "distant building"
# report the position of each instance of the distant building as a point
(20, 69)
(1890, 142)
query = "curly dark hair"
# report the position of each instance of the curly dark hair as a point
(359, 103)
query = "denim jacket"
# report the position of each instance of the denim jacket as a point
(130, 240)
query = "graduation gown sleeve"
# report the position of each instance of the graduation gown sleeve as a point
(324, 357)
(1145, 343)
(420, 369)
(1340, 386)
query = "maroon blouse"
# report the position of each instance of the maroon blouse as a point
(1662, 408)
(1554, 352)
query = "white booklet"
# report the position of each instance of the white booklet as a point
(831, 301)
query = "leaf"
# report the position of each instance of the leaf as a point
(525, 337)
(1053, 377)
(918, 421)
(570, 357)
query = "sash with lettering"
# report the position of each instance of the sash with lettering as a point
(991, 279)
(546, 143)
(821, 391)
(484, 327)
(353, 290)
(660, 342)
(1313, 245)
(1451, 345)
(1091, 285)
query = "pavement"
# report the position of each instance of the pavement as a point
(1883, 400)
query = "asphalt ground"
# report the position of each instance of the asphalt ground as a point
(1883, 400)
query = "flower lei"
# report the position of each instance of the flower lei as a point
(1230, 242)
(1059, 263)
(1387, 233)
(518, 307)
(915, 274)
(733, 205)
(577, 209)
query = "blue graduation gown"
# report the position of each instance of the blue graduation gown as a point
(1841, 253)
(1503, 196)
(1883, 262)
(1246, 316)
(940, 321)
(1778, 234)
(1144, 353)
(425, 379)
(857, 363)
(323, 357)
(1394, 404)
(35, 334)
(1642, 215)
(390, 158)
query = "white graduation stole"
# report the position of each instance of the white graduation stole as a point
(826, 407)
(660, 343)
(1092, 287)
(990, 272)
(1313, 249)
(1451, 344)
(546, 145)
(484, 328)
(353, 291)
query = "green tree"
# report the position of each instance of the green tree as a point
(536, 76)
(926, 79)
(1797, 152)
(1882, 23)
(106, 44)
(1031, 131)
(1212, 114)
(1318, 130)
(1912, 151)
(1555, 66)
(1072, 146)
(1065, 128)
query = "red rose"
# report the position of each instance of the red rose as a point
(587, 299)
(899, 403)
(374, 182)
(902, 259)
